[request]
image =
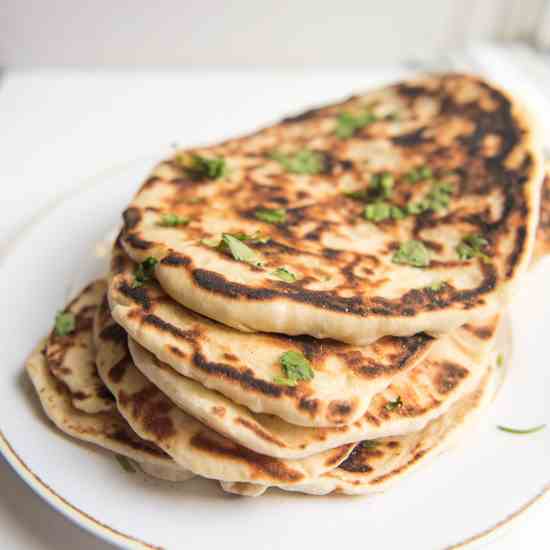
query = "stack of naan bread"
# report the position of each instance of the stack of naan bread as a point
(312, 307)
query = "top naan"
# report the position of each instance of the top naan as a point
(454, 163)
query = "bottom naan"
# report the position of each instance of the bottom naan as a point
(376, 465)
(63, 373)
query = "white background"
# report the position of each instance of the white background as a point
(254, 33)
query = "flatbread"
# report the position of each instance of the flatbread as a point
(71, 359)
(452, 369)
(469, 134)
(374, 466)
(105, 429)
(243, 366)
(190, 443)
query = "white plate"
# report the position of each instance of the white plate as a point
(462, 498)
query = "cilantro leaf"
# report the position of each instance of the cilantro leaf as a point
(65, 323)
(276, 215)
(395, 404)
(125, 464)
(439, 196)
(437, 286)
(412, 253)
(295, 368)
(301, 162)
(380, 211)
(360, 195)
(348, 124)
(415, 208)
(144, 271)
(397, 213)
(172, 220)
(472, 247)
(377, 212)
(282, 381)
(256, 238)
(437, 199)
(284, 274)
(522, 431)
(201, 168)
(382, 184)
(240, 251)
(379, 189)
(419, 174)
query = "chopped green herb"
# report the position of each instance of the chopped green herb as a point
(276, 215)
(302, 162)
(172, 220)
(380, 188)
(240, 251)
(360, 195)
(415, 208)
(380, 211)
(201, 168)
(144, 271)
(472, 247)
(282, 381)
(125, 464)
(439, 196)
(255, 238)
(295, 368)
(284, 274)
(437, 199)
(369, 444)
(348, 124)
(412, 253)
(395, 404)
(520, 431)
(377, 212)
(500, 360)
(65, 322)
(397, 213)
(382, 184)
(419, 174)
(437, 286)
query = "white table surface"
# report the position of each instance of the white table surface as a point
(59, 129)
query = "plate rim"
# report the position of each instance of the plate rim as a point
(105, 532)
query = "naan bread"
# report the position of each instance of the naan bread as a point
(105, 429)
(190, 443)
(71, 359)
(374, 466)
(542, 245)
(243, 366)
(452, 369)
(453, 129)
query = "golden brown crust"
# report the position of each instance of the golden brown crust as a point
(70, 356)
(455, 124)
(212, 353)
(188, 441)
